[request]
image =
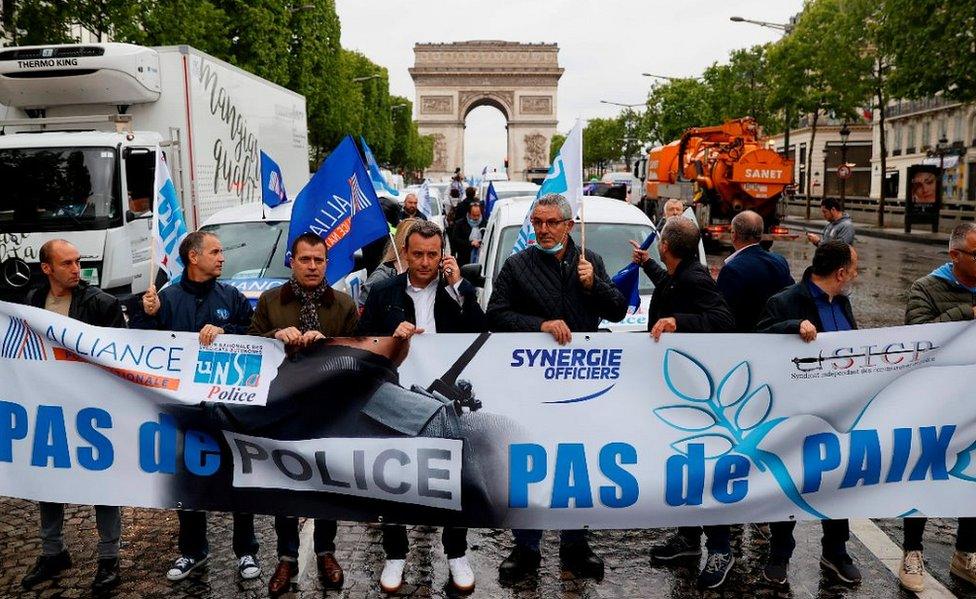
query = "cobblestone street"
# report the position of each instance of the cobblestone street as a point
(149, 538)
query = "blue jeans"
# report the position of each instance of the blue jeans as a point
(530, 539)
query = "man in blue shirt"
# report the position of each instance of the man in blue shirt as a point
(818, 303)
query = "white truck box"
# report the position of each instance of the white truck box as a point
(101, 109)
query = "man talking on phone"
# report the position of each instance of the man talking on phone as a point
(430, 297)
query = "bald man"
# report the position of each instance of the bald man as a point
(411, 208)
(751, 275)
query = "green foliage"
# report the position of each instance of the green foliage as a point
(602, 142)
(556, 142)
(675, 106)
(933, 47)
(293, 44)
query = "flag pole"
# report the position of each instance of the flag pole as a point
(582, 217)
(396, 252)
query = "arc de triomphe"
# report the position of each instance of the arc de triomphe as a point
(518, 79)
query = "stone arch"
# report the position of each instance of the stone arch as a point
(520, 80)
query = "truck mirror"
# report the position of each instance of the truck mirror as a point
(472, 272)
(131, 216)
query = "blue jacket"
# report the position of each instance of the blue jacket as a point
(749, 280)
(189, 306)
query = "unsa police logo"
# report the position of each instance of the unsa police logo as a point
(227, 368)
(223, 313)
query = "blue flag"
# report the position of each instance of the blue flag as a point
(340, 206)
(490, 198)
(627, 279)
(375, 176)
(272, 183)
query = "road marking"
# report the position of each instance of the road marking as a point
(886, 550)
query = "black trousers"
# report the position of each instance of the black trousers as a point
(834, 541)
(323, 536)
(965, 534)
(395, 542)
(193, 535)
(717, 538)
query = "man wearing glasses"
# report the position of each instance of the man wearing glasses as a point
(948, 294)
(554, 288)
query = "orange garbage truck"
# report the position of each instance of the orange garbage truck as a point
(721, 171)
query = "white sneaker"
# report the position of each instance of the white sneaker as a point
(392, 577)
(462, 576)
(183, 566)
(248, 567)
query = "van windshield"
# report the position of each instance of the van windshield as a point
(609, 240)
(253, 250)
(58, 189)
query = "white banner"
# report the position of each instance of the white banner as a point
(40, 345)
(502, 430)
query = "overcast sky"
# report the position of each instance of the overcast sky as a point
(604, 46)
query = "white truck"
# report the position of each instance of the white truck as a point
(79, 125)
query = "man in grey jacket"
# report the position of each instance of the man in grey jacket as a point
(947, 294)
(839, 225)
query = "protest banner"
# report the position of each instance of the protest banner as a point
(499, 430)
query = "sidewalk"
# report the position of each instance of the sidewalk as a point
(922, 234)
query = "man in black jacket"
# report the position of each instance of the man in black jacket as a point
(553, 288)
(752, 274)
(466, 234)
(416, 301)
(199, 302)
(818, 303)
(686, 300)
(65, 293)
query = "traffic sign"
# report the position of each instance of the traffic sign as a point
(844, 171)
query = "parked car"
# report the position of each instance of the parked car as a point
(255, 242)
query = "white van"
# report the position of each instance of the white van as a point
(255, 242)
(508, 189)
(610, 224)
(79, 124)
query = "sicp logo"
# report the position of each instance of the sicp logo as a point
(228, 368)
(20, 342)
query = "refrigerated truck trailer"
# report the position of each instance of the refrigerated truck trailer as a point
(79, 128)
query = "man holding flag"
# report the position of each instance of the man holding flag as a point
(337, 206)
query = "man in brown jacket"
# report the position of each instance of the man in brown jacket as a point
(947, 294)
(300, 312)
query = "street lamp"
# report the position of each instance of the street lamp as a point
(622, 104)
(669, 77)
(397, 107)
(367, 78)
(786, 27)
(845, 134)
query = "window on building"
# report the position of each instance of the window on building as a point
(895, 141)
(957, 128)
(944, 127)
(926, 135)
(910, 143)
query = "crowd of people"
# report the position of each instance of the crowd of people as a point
(553, 287)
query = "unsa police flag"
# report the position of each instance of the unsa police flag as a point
(339, 205)
(272, 183)
(565, 177)
(168, 224)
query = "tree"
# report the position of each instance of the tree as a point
(556, 142)
(376, 117)
(197, 23)
(677, 105)
(742, 88)
(933, 49)
(602, 143)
